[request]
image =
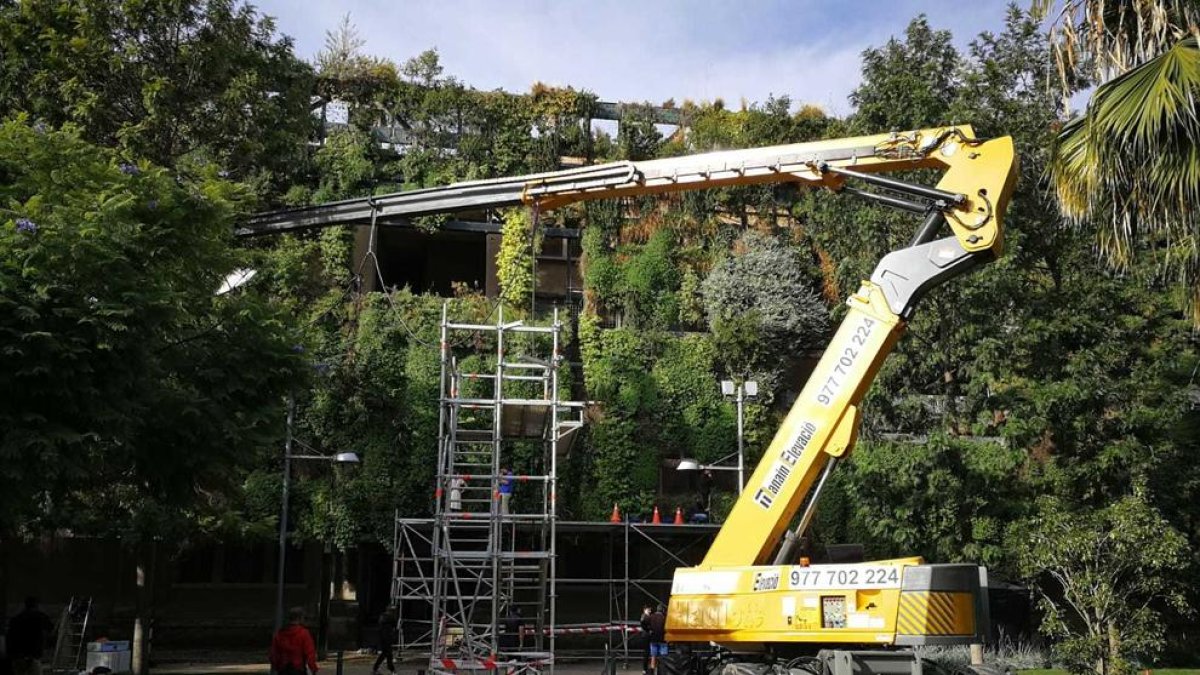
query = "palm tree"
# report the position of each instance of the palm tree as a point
(1130, 164)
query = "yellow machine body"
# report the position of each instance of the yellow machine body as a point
(889, 602)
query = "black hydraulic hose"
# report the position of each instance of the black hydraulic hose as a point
(887, 200)
(899, 185)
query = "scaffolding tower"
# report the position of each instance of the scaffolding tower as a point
(485, 571)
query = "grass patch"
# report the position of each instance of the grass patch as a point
(1154, 671)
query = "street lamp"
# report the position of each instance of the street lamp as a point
(741, 391)
(339, 458)
(235, 279)
(689, 464)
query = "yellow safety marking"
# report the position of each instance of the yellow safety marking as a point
(922, 613)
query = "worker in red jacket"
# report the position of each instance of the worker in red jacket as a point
(292, 648)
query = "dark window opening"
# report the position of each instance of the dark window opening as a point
(432, 262)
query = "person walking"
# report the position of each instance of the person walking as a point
(292, 647)
(387, 640)
(26, 639)
(657, 635)
(506, 490)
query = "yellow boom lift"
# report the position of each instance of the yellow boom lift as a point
(750, 594)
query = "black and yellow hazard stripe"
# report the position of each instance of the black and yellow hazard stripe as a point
(932, 613)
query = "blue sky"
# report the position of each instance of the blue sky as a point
(640, 50)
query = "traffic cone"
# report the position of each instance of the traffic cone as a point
(616, 514)
(657, 519)
(678, 515)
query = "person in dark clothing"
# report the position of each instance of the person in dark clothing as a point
(645, 637)
(656, 633)
(26, 640)
(387, 640)
(706, 487)
(513, 624)
(292, 647)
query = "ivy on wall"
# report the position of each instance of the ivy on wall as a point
(520, 239)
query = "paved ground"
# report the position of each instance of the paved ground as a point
(352, 664)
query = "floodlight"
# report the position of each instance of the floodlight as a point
(236, 279)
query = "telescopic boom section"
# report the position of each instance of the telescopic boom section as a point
(970, 167)
(977, 173)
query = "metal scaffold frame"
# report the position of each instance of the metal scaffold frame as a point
(485, 563)
(636, 564)
(641, 558)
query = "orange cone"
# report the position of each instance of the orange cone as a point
(616, 514)
(678, 515)
(657, 519)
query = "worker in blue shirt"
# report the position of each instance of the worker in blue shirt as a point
(506, 489)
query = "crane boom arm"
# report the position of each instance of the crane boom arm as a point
(968, 191)
(817, 164)
(823, 423)
(971, 197)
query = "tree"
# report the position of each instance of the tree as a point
(637, 136)
(131, 399)
(345, 73)
(1104, 576)
(1129, 164)
(915, 78)
(344, 166)
(424, 69)
(946, 499)
(202, 79)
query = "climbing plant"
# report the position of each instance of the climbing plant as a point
(520, 239)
